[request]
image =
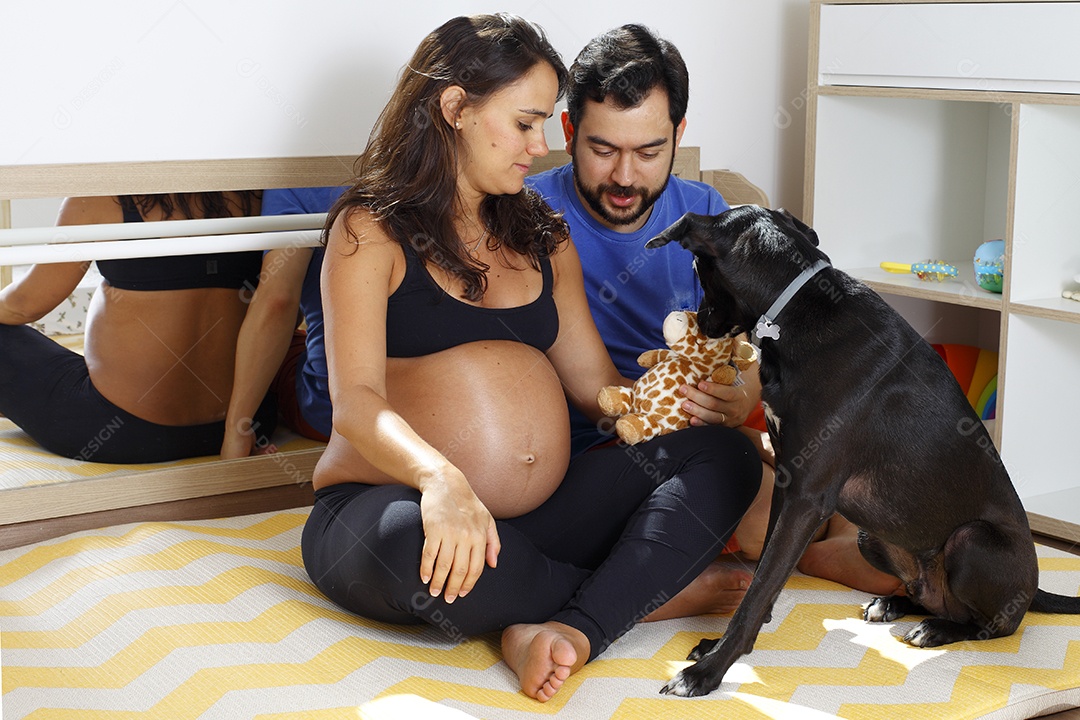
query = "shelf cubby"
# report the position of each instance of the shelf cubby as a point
(908, 180)
(1046, 235)
(1039, 432)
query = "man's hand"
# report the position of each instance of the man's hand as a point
(714, 404)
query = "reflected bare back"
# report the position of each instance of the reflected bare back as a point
(165, 356)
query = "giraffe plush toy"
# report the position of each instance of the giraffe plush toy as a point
(652, 406)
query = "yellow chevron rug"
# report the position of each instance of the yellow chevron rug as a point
(217, 619)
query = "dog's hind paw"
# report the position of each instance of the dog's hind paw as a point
(886, 609)
(920, 636)
(702, 649)
(933, 632)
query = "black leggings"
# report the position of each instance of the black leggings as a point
(628, 528)
(45, 389)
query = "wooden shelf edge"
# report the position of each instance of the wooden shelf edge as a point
(150, 487)
(916, 2)
(248, 502)
(1046, 310)
(127, 178)
(883, 288)
(996, 97)
(962, 291)
(1053, 528)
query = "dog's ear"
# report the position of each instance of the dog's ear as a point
(806, 230)
(692, 231)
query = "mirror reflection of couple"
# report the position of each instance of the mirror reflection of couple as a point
(450, 317)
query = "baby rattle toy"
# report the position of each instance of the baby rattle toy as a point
(929, 270)
(990, 265)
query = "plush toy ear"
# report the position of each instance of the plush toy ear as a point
(692, 231)
(799, 225)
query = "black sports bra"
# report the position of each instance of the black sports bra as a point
(422, 318)
(182, 272)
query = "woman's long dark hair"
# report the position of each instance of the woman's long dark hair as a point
(191, 205)
(407, 175)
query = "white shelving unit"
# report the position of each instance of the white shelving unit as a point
(933, 127)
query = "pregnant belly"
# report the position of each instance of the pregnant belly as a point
(495, 409)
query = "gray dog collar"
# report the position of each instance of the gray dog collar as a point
(766, 324)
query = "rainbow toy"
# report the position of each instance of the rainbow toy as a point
(975, 370)
(929, 270)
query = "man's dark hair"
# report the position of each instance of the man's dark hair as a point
(626, 64)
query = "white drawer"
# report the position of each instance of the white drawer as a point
(1007, 47)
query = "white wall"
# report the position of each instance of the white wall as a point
(190, 79)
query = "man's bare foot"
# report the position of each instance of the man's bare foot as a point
(544, 655)
(751, 530)
(836, 557)
(718, 589)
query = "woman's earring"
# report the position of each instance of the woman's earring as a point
(457, 124)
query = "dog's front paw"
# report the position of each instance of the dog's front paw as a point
(702, 649)
(885, 609)
(703, 676)
(693, 681)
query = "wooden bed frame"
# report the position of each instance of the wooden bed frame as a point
(219, 488)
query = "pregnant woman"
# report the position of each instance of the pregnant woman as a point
(456, 329)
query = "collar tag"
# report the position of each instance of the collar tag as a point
(766, 329)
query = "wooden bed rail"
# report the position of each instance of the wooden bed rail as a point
(136, 178)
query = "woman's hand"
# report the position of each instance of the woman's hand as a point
(37, 292)
(240, 443)
(237, 445)
(459, 535)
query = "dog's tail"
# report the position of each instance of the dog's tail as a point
(1051, 603)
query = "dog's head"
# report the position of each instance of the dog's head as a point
(744, 258)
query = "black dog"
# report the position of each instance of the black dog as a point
(868, 421)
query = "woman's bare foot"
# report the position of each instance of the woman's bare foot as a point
(544, 655)
(836, 557)
(717, 590)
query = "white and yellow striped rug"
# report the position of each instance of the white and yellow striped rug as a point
(217, 619)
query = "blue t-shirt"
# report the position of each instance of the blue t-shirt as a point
(312, 386)
(630, 289)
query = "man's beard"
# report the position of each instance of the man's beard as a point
(594, 198)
